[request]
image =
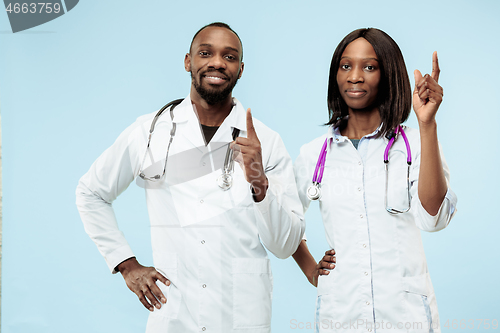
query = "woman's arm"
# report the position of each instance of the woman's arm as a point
(308, 265)
(427, 97)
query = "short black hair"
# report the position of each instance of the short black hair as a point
(219, 25)
(394, 92)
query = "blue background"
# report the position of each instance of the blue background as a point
(70, 86)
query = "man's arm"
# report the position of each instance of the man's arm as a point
(279, 217)
(109, 176)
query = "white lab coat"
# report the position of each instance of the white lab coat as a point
(207, 242)
(380, 282)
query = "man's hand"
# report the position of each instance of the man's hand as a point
(323, 266)
(142, 281)
(250, 159)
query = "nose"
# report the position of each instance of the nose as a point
(217, 62)
(356, 75)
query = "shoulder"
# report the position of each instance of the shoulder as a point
(263, 130)
(413, 136)
(139, 129)
(411, 133)
(313, 147)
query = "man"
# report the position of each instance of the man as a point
(209, 217)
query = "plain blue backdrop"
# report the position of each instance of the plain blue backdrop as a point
(70, 86)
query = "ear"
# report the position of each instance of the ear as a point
(187, 62)
(241, 70)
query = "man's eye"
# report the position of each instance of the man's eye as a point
(230, 57)
(204, 53)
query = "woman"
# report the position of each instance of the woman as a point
(380, 282)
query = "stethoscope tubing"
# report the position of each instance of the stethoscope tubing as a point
(314, 191)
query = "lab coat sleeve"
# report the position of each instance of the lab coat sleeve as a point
(423, 219)
(279, 217)
(303, 178)
(108, 176)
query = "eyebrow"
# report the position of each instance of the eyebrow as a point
(361, 59)
(227, 47)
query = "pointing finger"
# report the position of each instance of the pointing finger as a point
(435, 66)
(250, 129)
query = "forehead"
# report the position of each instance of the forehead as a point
(217, 37)
(359, 48)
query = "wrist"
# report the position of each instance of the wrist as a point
(259, 189)
(127, 265)
(427, 125)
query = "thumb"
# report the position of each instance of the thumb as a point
(418, 78)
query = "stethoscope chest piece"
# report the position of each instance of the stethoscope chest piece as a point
(225, 181)
(314, 191)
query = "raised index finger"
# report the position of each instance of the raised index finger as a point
(250, 129)
(435, 66)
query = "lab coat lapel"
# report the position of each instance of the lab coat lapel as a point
(188, 133)
(235, 119)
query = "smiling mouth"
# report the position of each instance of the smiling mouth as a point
(214, 79)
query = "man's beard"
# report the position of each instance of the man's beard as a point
(213, 97)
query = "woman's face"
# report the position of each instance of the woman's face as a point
(358, 75)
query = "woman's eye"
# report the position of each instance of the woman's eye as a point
(344, 67)
(370, 68)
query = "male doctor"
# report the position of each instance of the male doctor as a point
(208, 233)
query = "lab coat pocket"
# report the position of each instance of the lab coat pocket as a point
(417, 305)
(252, 293)
(326, 303)
(168, 268)
(327, 283)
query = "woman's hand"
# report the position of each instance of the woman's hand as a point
(428, 94)
(324, 266)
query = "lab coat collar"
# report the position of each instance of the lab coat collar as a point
(335, 136)
(236, 118)
(184, 112)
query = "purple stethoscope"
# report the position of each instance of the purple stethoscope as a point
(314, 190)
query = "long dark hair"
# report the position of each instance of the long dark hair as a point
(394, 92)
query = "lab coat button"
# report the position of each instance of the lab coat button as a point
(203, 329)
(366, 273)
(359, 189)
(359, 162)
(201, 201)
(369, 330)
(364, 245)
(361, 216)
(367, 303)
(202, 242)
(204, 285)
(204, 164)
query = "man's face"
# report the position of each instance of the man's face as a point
(214, 63)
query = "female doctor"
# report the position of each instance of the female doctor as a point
(378, 184)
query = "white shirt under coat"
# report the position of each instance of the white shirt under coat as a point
(209, 243)
(381, 272)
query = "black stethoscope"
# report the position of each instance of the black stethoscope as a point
(224, 181)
